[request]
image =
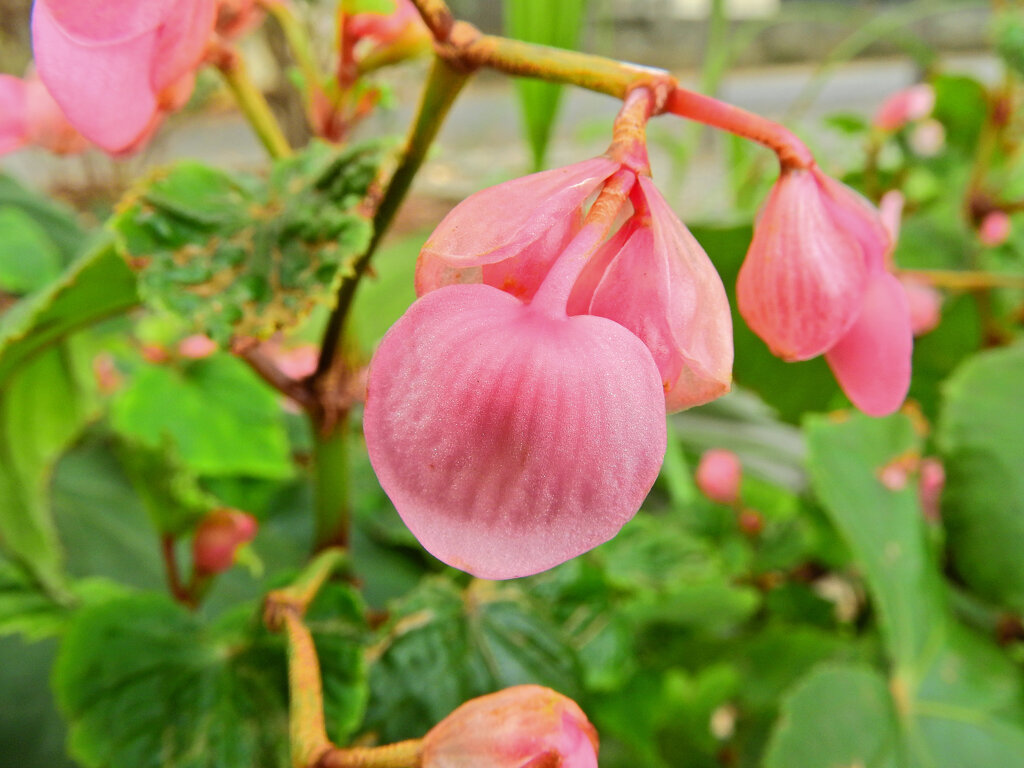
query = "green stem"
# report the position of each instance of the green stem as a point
(301, 48)
(403, 754)
(251, 101)
(966, 280)
(443, 85)
(284, 610)
(331, 478)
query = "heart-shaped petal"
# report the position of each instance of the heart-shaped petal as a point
(509, 440)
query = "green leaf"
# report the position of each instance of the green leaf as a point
(145, 683)
(28, 257)
(232, 254)
(443, 647)
(42, 409)
(839, 715)
(982, 436)
(95, 286)
(225, 421)
(883, 527)
(945, 679)
(56, 220)
(26, 609)
(555, 24)
(961, 105)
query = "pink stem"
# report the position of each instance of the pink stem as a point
(553, 294)
(792, 152)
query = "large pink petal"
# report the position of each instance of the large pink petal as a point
(13, 109)
(802, 284)
(104, 89)
(500, 222)
(508, 440)
(872, 361)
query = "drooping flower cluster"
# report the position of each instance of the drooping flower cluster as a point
(815, 281)
(516, 413)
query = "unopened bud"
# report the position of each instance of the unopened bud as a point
(196, 346)
(526, 725)
(994, 229)
(718, 475)
(219, 537)
(930, 482)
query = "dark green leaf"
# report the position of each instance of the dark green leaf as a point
(444, 646)
(982, 435)
(145, 683)
(555, 24)
(216, 415)
(235, 255)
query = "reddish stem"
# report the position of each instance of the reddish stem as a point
(792, 152)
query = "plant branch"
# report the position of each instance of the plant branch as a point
(443, 85)
(265, 367)
(301, 48)
(403, 754)
(250, 100)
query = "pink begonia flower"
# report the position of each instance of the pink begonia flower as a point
(924, 300)
(995, 228)
(218, 538)
(510, 436)
(906, 106)
(30, 117)
(115, 66)
(526, 726)
(718, 475)
(651, 276)
(816, 281)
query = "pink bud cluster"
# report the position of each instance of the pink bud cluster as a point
(218, 538)
(515, 414)
(816, 281)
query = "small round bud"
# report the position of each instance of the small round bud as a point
(718, 475)
(218, 538)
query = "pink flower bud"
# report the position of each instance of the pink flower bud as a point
(802, 284)
(995, 228)
(218, 537)
(718, 475)
(928, 138)
(13, 114)
(931, 481)
(815, 281)
(30, 116)
(526, 726)
(114, 66)
(196, 346)
(906, 106)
